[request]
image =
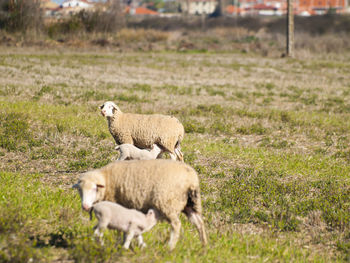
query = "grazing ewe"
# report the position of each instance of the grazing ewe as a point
(130, 221)
(145, 130)
(164, 185)
(131, 152)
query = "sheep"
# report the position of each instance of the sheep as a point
(164, 185)
(144, 130)
(131, 152)
(130, 221)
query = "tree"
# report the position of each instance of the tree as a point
(20, 15)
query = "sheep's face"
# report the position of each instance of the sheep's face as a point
(90, 193)
(108, 109)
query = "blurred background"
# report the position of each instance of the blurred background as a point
(180, 25)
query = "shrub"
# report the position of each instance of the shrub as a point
(85, 21)
(20, 15)
(14, 131)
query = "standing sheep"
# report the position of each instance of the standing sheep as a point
(130, 221)
(144, 130)
(131, 152)
(168, 187)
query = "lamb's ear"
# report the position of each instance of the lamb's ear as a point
(101, 107)
(100, 186)
(150, 212)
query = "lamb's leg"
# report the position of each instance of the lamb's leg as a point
(140, 241)
(172, 156)
(99, 233)
(129, 236)
(160, 155)
(122, 157)
(175, 231)
(100, 227)
(197, 220)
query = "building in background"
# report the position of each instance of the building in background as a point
(49, 7)
(199, 7)
(320, 7)
(279, 7)
(203, 7)
(77, 4)
(67, 7)
(140, 11)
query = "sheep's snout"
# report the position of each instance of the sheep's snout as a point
(103, 113)
(86, 207)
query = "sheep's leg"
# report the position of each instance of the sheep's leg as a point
(197, 220)
(129, 236)
(175, 231)
(179, 154)
(140, 241)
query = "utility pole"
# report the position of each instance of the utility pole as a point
(290, 29)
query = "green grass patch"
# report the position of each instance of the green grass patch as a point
(15, 132)
(42, 223)
(73, 118)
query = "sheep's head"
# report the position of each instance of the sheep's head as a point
(109, 108)
(90, 193)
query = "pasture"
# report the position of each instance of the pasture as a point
(269, 138)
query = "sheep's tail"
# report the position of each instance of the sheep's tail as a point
(178, 152)
(193, 211)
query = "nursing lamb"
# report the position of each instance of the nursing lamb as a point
(130, 152)
(130, 221)
(143, 130)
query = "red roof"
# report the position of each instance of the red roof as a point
(140, 11)
(231, 9)
(263, 7)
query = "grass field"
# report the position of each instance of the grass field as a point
(269, 138)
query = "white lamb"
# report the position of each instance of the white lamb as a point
(130, 221)
(130, 152)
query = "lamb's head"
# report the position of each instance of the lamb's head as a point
(90, 191)
(109, 108)
(152, 217)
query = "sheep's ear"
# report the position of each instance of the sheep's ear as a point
(100, 186)
(115, 108)
(75, 186)
(101, 107)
